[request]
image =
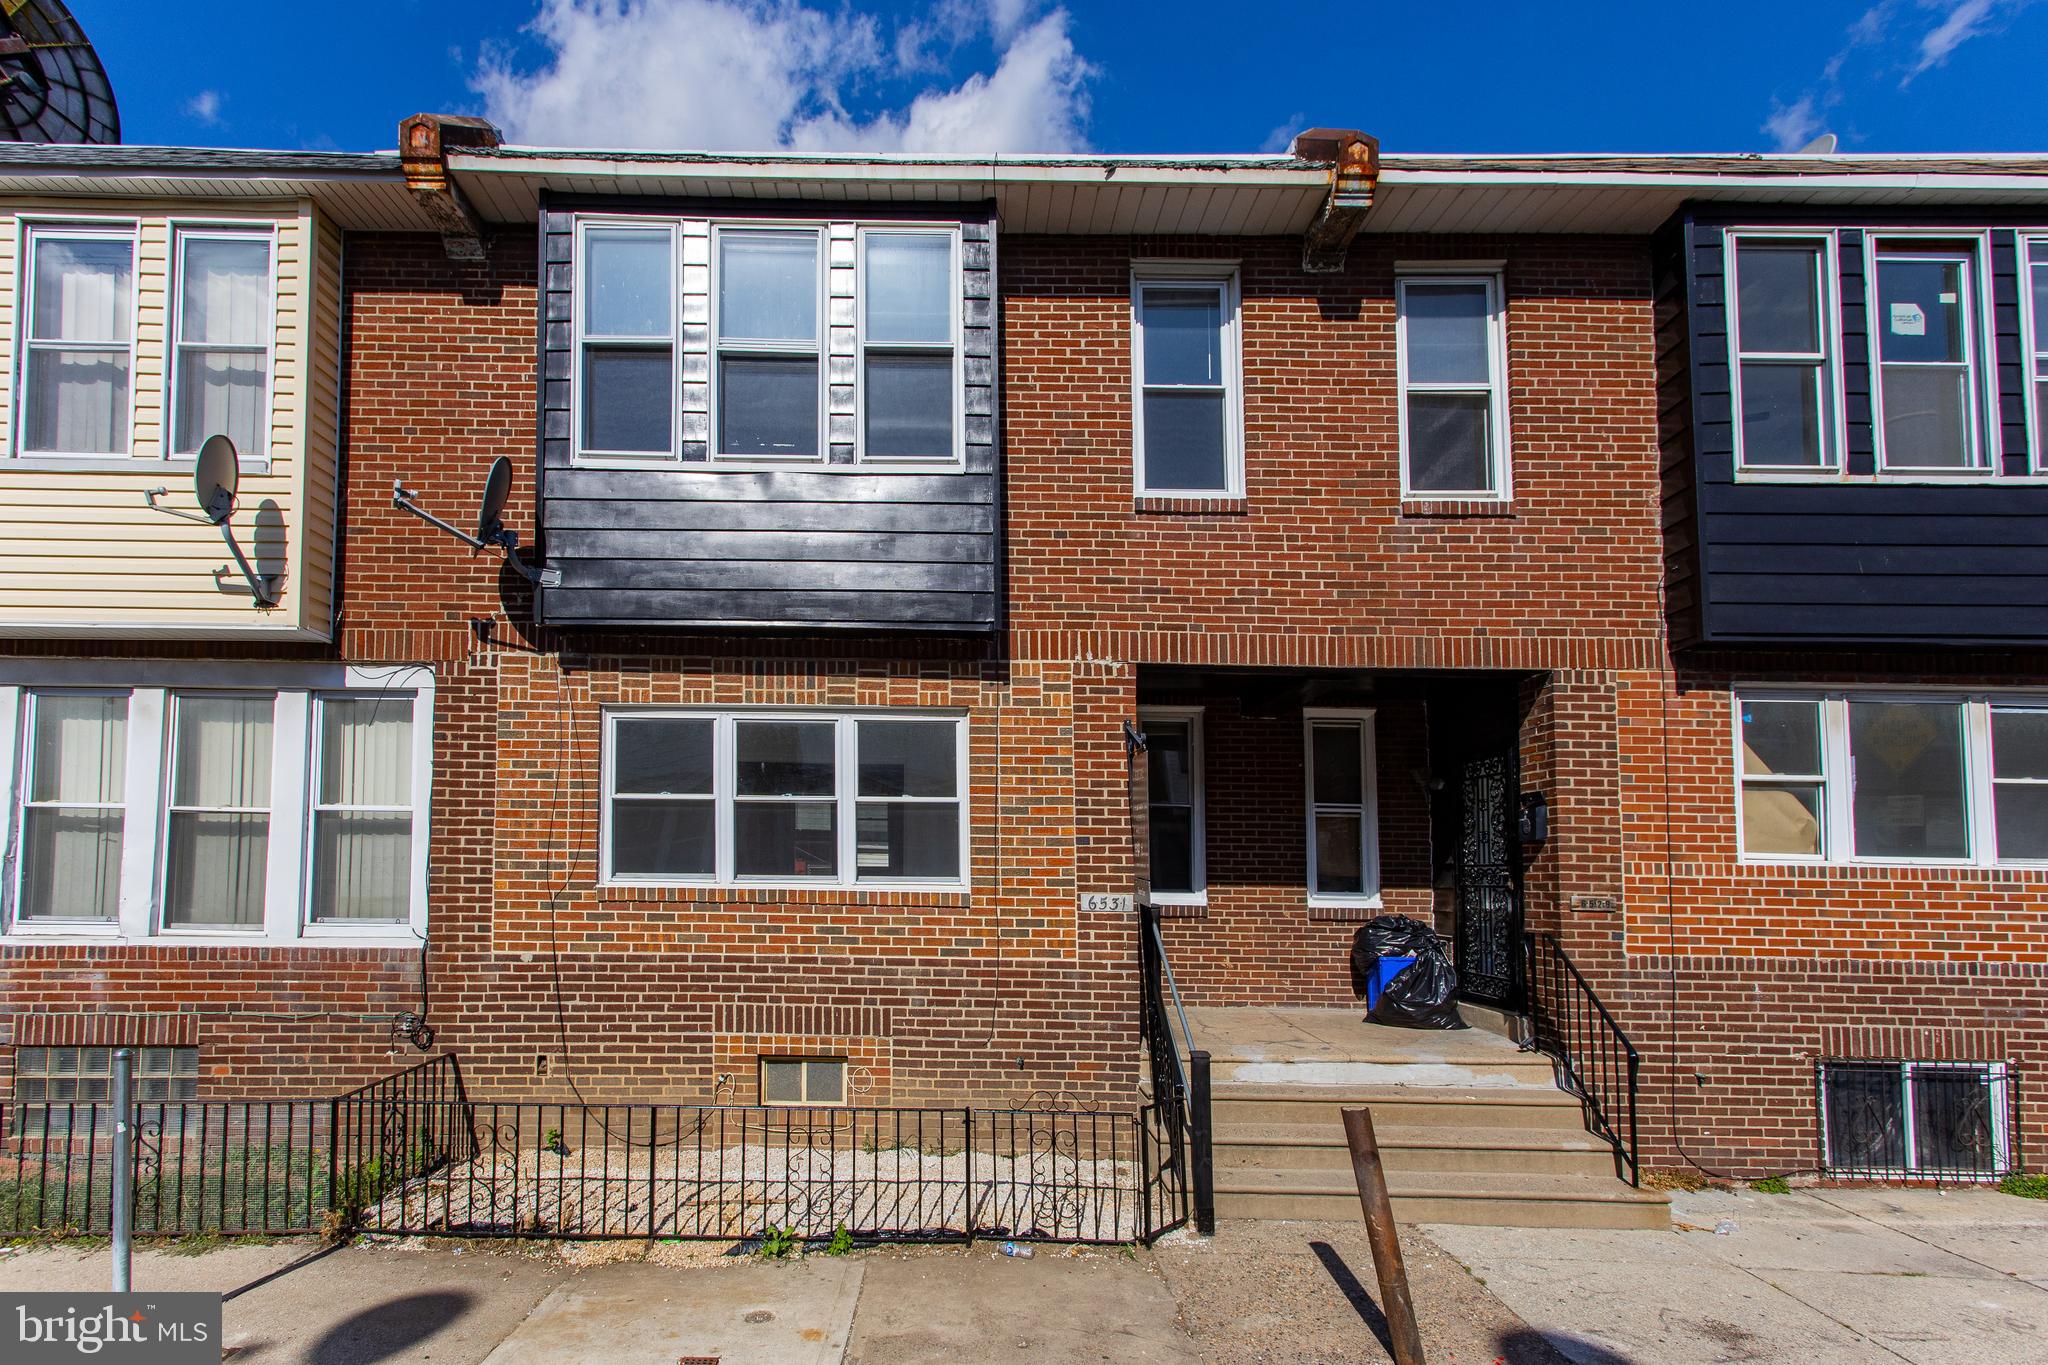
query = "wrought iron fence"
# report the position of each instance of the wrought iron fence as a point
(413, 1154)
(1595, 1060)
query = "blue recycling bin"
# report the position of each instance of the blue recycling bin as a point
(1384, 971)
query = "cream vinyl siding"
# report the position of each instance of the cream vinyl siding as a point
(81, 554)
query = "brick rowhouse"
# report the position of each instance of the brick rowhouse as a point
(1542, 616)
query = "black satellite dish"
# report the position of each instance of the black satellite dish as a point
(490, 517)
(52, 86)
(214, 478)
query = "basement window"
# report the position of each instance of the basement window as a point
(49, 1081)
(1912, 1120)
(803, 1080)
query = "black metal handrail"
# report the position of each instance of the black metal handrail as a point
(1595, 1060)
(1179, 1091)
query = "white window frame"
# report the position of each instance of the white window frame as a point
(863, 233)
(804, 1061)
(1364, 717)
(1198, 801)
(288, 889)
(1981, 378)
(34, 231)
(1223, 276)
(845, 797)
(21, 717)
(581, 339)
(422, 778)
(1997, 1081)
(167, 807)
(1499, 454)
(819, 348)
(1838, 816)
(188, 230)
(2033, 256)
(1833, 424)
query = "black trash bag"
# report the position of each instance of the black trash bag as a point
(1424, 993)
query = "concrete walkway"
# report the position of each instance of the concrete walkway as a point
(1812, 1276)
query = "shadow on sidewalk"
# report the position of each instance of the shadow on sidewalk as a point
(388, 1329)
(1355, 1292)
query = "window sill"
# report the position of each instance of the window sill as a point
(82, 938)
(629, 892)
(150, 465)
(1453, 509)
(1191, 505)
(1342, 908)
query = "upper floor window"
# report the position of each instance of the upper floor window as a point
(221, 373)
(1452, 366)
(1930, 370)
(768, 395)
(910, 383)
(263, 812)
(2037, 344)
(1343, 816)
(798, 799)
(1188, 427)
(626, 364)
(78, 349)
(1784, 353)
(1892, 778)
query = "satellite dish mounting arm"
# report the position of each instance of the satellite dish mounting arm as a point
(494, 533)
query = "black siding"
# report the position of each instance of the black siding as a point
(1926, 562)
(686, 545)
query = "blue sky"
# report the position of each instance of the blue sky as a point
(1028, 75)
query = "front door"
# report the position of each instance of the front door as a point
(1489, 921)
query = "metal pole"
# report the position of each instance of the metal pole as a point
(123, 1214)
(1202, 1136)
(1386, 1243)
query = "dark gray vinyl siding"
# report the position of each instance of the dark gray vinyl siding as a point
(1844, 561)
(687, 544)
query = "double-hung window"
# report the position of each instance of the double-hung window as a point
(1173, 765)
(803, 799)
(627, 323)
(221, 372)
(217, 808)
(1185, 362)
(1930, 372)
(909, 381)
(768, 402)
(72, 818)
(1343, 838)
(78, 349)
(1784, 352)
(1452, 364)
(2036, 292)
(1892, 777)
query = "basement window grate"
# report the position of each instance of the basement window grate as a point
(1916, 1120)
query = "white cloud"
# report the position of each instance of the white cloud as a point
(1282, 137)
(771, 74)
(1964, 22)
(1793, 125)
(204, 107)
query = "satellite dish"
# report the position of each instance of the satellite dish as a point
(1824, 145)
(497, 487)
(52, 86)
(214, 478)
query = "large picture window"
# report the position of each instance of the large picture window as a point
(221, 371)
(78, 347)
(224, 812)
(1343, 837)
(799, 799)
(1185, 362)
(1784, 351)
(1452, 365)
(1892, 778)
(1930, 376)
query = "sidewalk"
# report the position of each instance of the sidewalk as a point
(1813, 1276)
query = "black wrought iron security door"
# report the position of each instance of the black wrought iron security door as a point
(1489, 928)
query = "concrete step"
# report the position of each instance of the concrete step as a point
(1535, 1201)
(1404, 1149)
(1505, 1067)
(1236, 1103)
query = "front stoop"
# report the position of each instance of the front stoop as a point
(1470, 1129)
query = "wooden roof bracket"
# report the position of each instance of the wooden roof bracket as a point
(423, 143)
(1354, 161)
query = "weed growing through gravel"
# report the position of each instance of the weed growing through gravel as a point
(1771, 1184)
(2025, 1186)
